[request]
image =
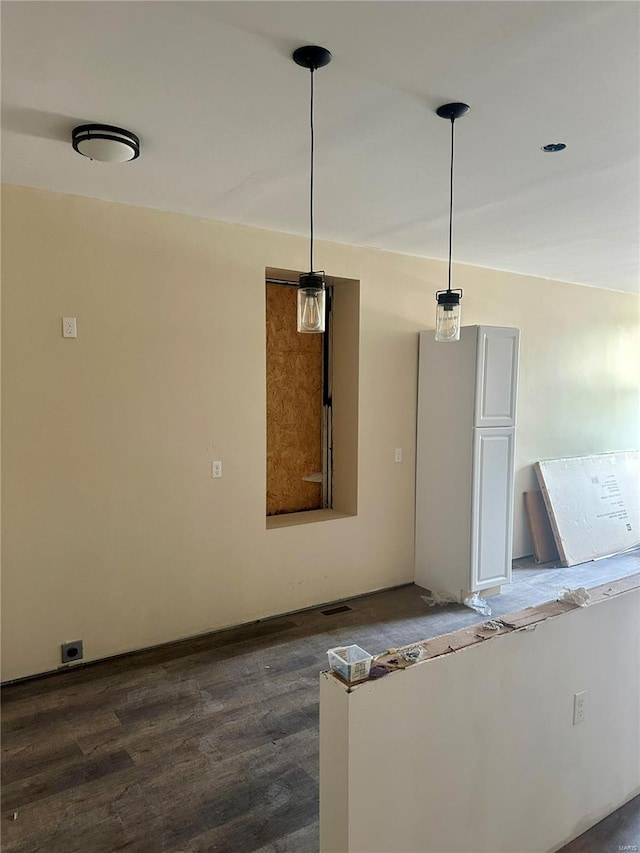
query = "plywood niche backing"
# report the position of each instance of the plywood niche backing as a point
(294, 407)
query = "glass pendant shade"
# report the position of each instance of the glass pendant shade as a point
(448, 316)
(311, 303)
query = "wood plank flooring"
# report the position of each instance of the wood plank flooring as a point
(209, 744)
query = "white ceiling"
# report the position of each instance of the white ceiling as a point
(222, 114)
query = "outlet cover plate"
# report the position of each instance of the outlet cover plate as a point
(72, 651)
(579, 707)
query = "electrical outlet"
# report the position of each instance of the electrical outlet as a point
(398, 456)
(216, 469)
(72, 651)
(69, 327)
(579, 707)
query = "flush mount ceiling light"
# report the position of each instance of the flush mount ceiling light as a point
(105, 143)
(448, 310)
(312, 287)
(554, 146)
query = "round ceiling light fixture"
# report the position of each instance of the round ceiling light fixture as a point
(553, 146)
(105, 143)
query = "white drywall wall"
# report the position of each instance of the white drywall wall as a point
(476, 751)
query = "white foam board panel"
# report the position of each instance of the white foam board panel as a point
(593, 503)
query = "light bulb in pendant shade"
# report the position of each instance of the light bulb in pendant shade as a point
(311, 303)
(448, 315)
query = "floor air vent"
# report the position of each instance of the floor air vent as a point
(333, 610)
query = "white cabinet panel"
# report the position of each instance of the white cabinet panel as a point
(496, 376)
(492, 507)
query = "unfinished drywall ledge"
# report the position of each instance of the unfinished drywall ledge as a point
(475, 749)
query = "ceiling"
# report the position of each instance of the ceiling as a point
(222, 114)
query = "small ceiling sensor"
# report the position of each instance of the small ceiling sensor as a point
(105, 143)
(554, 146)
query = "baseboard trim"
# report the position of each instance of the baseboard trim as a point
(130, 653)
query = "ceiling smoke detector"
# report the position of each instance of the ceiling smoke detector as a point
(105, 143)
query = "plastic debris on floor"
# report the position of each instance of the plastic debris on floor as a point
(438, 599)
(480, 605)
(579, 596)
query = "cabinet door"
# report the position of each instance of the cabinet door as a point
(492, 507)
(496, 376)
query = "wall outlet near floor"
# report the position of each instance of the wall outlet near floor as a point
(579, 707)
(398, 456)
(72, 651)
(216, 470)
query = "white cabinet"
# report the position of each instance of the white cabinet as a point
(465, 459)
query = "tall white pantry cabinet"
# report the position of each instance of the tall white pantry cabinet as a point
(467, 393)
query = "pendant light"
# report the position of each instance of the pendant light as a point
(312, 287)
(448, 310)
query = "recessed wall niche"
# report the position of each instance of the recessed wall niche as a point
(312, 405)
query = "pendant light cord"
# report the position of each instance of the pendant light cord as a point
(451, 206)
(311, 182)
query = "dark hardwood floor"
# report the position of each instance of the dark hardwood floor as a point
(209, 744)
(618, 833)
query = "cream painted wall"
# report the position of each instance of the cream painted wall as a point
(114, 531)
(476, 752)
